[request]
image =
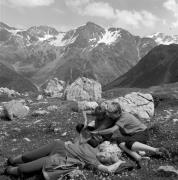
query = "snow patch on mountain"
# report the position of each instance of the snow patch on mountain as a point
(46, 37)
(92, 40)
(60, 41)
(14, 32)
(109, 37)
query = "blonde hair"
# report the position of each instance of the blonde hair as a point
(111, 106)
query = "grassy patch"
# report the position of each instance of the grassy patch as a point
(41, 130)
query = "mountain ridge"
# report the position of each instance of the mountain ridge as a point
(158, 67)
(41, 52)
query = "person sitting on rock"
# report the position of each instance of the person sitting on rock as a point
(58, 158)
(133, 133)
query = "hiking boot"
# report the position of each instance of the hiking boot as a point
(11, 170)
(5, 171)
(163, 152)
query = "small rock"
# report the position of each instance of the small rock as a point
(37, 121)
(40, 113)
(56, 130)
(175, 120)
(52, 108)
(39, 97)
(29, 101)
(64, 134)
(17, 129)
(27, 139)
(168, 170)
(6, 134)
(14, 149)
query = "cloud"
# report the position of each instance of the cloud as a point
(123, 18)
(76, 4)
(99, 9)
(27, 3)
(135, 19)
(172, 6)
(58, 11)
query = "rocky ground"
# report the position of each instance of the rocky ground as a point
(31, 132)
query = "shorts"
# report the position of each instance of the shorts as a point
(142, 137)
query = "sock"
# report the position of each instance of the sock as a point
(13, 171)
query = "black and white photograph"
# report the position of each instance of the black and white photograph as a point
(88, 89)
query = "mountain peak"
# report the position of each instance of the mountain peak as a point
(89, 23)
(3, 25)
(36, 30)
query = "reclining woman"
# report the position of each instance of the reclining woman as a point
(58, 158)
(133, 133)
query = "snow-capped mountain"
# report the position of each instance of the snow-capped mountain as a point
(41, 52)
(161, 38)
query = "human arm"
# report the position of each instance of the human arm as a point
(106, 131)
(111, 168)
(85, 118)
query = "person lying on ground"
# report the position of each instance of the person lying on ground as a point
(133, 133)
(57, 158)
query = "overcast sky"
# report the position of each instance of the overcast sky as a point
(140, 17)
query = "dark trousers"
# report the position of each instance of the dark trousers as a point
(34, 160)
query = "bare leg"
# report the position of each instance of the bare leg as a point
(133, 154)
(137, 146)
(143, 147)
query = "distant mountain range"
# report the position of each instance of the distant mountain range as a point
(41, 52)
(161, 38)
(159, 66)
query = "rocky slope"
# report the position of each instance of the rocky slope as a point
(159, 66)
(12, 80)
(41, 53)
(32, 132)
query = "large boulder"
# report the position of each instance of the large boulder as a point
(136, 103)
(15, 109)
(83, 106)
(84, 89)
(54, 88)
